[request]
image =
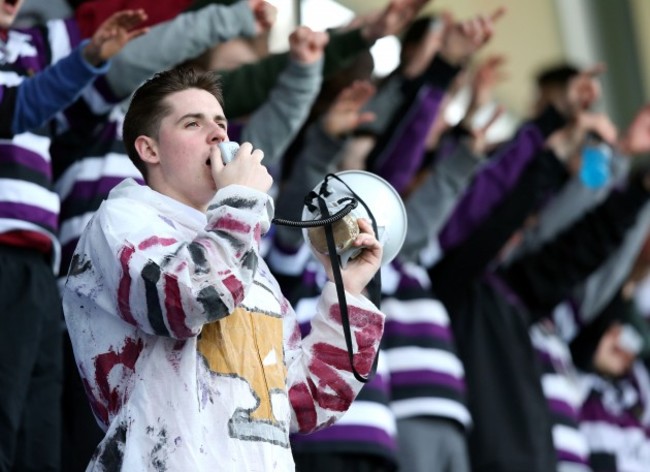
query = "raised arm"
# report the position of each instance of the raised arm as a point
(37, 99)
(601, 286)
(512, 158)
(462, 264)
(574, 199)
(542, 177)
(399, 151)
(275, 124)
(248, 86)
(320, 155)
(178, 40)
(546, 277)
(431, 203)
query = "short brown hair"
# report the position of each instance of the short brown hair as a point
(148, 107)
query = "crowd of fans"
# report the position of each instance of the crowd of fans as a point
(514, 336)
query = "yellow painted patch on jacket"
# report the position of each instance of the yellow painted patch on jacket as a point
(249, 345)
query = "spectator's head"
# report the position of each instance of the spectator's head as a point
(170, 128)
(613, 340)
(617, 349)
(551, 82)
(8, 11)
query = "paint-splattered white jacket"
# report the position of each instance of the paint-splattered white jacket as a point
(191, 357)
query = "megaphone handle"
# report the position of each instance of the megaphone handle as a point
(374, 287)
(340, 292)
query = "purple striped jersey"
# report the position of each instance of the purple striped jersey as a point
(562, 391)
(426, 374)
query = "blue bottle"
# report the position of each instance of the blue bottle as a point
(595, 170)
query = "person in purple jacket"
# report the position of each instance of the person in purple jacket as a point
(34, 87)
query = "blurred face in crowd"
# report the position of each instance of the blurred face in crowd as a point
(188, 135)
(610, 359)
(8, 11)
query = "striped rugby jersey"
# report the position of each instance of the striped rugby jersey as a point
(27, 200)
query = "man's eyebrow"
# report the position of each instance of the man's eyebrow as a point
(201, 116)
(198, 116)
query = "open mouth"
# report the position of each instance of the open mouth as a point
(12, 2)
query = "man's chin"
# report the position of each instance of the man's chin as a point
(8, 12)
(6, 21)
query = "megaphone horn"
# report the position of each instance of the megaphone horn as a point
(378, 201)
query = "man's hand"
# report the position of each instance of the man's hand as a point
(462, 39)
(361, 269)
(636, 139)
(265, 15)
(245, 169)
(113, 34)
(478, 141)
(488, 74)
(601, 125)
(567, 142)
(344, 115)
(392, 19)
(307, 46)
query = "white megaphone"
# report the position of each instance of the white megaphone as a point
(374, 195)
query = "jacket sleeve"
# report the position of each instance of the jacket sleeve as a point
(175, 41)
(390, 95)
(168, 284)
(319, 376)
(429, 206)
(401, 158)
(545, 278)
(573, 200)
(42, 96)
(497, 178)
(464, 263)
(318, 156)
(63, 78)
(601, 285)
(274, 125)
(248, 86)
(569, 205)
(399, 151)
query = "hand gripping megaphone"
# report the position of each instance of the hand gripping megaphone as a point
(329, 220)
(376, 201)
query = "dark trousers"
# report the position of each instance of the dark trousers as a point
(329, 462)
(30, 362)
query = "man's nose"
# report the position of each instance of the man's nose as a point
(218, 135)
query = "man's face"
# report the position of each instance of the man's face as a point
(186, 138)
(8, 11)
(609, 358)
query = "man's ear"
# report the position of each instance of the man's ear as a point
(148, 149)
